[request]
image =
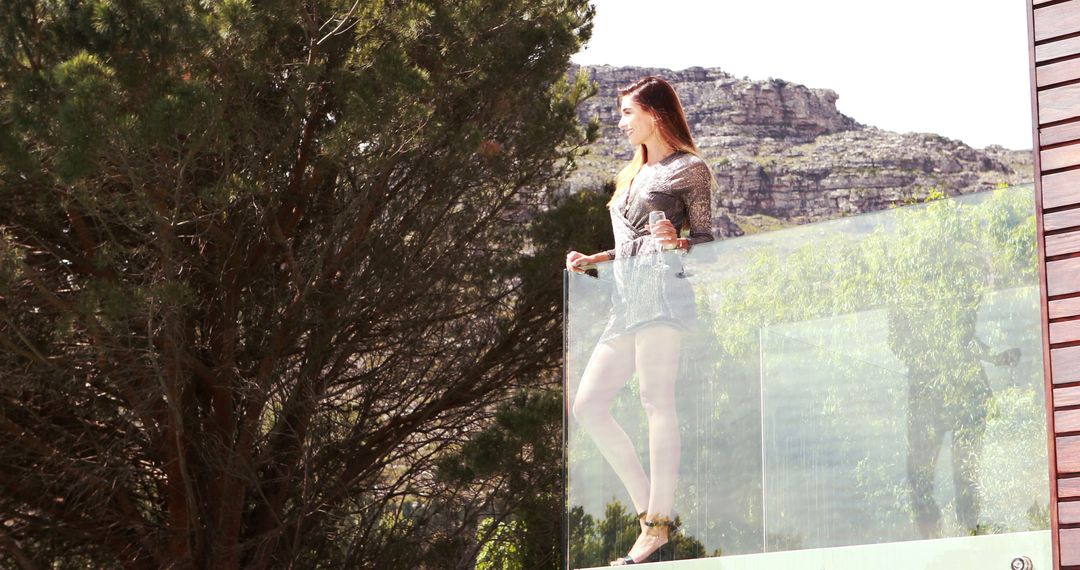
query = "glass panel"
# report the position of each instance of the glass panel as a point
(870, 380)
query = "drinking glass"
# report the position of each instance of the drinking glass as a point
(654, 218)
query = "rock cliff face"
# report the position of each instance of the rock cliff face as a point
(783, 154)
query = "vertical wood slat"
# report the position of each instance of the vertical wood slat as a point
(1065, 367)
(1065, 308)
(1059, 72)
(1063, 277)
(1059, 134)
(1059, 103)
(1061, 157)
(1057, 20)
(1054, 50)
(1061, 189)
(1062, 244)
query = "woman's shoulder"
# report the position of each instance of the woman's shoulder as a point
(690, 166)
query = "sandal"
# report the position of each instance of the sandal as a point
(652, 530)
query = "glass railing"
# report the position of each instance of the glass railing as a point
(873, 380)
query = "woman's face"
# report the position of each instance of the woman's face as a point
(635, 121)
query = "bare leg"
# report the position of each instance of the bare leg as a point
(657, 352)
(657, 357)
(609, 367)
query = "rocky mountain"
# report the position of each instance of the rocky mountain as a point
(783, 154)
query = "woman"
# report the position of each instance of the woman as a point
(653, 303)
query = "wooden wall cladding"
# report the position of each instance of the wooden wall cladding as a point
(1059, 103)
(1059, 134)
(1070, 547)
(1062, 244)
(1065, 366)
(1069, 488)
(1054, 43)
(1068, 421)
(1053, 20)
(1064, 308)
(1061, 157)
(1067, 331)
(1058, 49)
(1063, 277)
(1060, 189)
(1054, 73)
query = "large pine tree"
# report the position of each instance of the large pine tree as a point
(261, 267)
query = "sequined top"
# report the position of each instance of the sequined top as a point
(680, 185)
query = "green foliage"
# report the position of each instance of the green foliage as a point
(262, 270)
(521, 452)
(1015, 420)
(499, 551)
(932, 257)
(594, 543)
(87, 90)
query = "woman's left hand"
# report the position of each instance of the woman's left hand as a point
(664, 233)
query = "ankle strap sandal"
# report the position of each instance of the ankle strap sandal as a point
(660, 522)
(652, 529)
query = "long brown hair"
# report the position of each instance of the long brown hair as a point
(659, 99)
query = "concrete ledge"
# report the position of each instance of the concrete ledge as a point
(990, 552)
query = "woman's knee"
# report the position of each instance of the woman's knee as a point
(657, 401)
(589, 409)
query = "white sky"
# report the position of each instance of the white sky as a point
(958, 68)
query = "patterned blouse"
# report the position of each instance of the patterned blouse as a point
(680, 185)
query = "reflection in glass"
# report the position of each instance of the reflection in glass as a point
(867, 380)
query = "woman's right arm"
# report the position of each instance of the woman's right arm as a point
(576, 261)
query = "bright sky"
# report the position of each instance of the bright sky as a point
(958, 68)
